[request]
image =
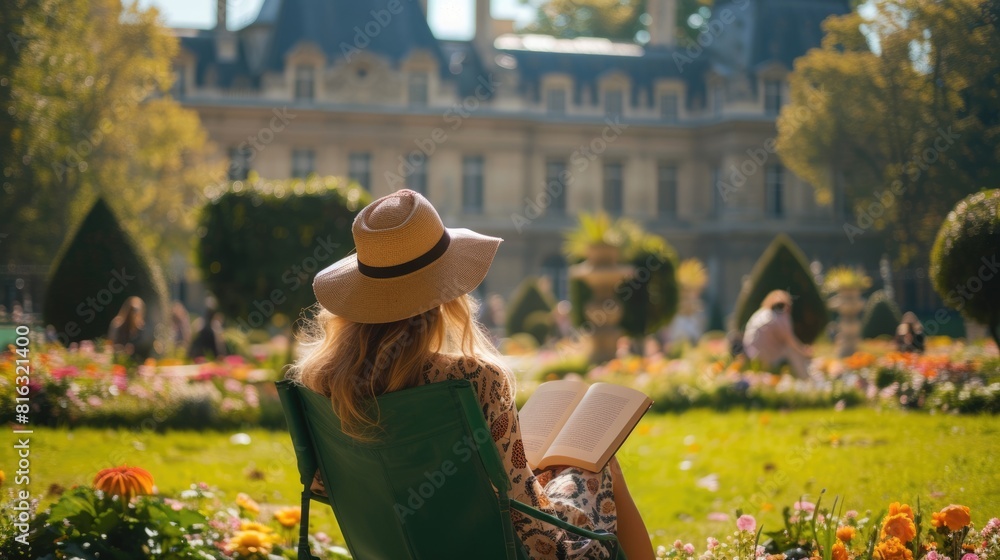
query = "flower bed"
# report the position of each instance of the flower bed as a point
(816, 533)
(83, 386)
(122, 517)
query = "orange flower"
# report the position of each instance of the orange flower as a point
(845, 533)
(859, 360)
(3, 478)
(897, 508)
(899, 526)
(124, 481)
(288, 517)
(839, 551)
(892, 549)
(954, 517)
(255, 526)
(246, 503)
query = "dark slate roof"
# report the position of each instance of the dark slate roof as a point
(227, 74)
(588, 69)
(464, 65)
(771, 30)
(330, 24)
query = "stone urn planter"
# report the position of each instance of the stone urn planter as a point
(602, 273)
(846, 285)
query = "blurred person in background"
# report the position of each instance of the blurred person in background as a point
(127, 330)
(180, 323)
(910, 334)
(209, 342)
(770, 339)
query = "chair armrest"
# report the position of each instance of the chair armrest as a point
(608, 538)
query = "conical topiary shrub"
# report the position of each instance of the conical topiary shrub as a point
(784, 267)
(96, 270)
(881, 316)
(527, 309)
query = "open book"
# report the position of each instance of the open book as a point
(579, 425)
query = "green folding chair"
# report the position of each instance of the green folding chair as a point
(424, 489)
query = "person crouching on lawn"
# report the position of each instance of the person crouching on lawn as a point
(401, 305)
(770, 339)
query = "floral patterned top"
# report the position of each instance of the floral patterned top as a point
(574, 495)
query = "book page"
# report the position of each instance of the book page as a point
(598, 426)
(545, 413)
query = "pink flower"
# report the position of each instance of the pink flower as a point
(970, 556)
(713, 543)
(804, 506)
(678, 544)
(689, 548)
(851, 514)
(761, 551)
(746, 523)
(932, 555)
(718, 516)
(322, 537)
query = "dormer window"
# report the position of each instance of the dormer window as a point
(305, 82)
(614, 102)
(179, 88)
(772, 97)
(418, 89)
(555, 101)
(669, 109)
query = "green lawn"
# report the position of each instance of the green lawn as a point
(761, 460)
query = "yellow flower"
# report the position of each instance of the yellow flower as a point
(839, 550)
(899, 526)
(288, 517)
(246, 503)
(845, 533)
(954, 517)
(255, 526)
(892, 549)
(250, 544)
(124, 481)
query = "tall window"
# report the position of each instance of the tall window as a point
(614, 102)
(303, 163)
(417, 179)
(239, 163)
(666, 187)
(555, 267)
(305, 82)
(555, 101)
(359, 168)
(555, 186)
(774, 189)
(418, 89)
(718, 198)
(669, 107)
(614, 191)
(772, 97)
(472, 184)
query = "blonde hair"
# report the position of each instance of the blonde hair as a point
(352, 363)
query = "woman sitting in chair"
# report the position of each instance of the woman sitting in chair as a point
(397, 315)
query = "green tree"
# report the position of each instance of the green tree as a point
(618, 20)
(98, 268)
(964, 260)
(85, 115)
(881, 316)
(782, 266)
(530, 311)
(261, 242)
(903, 106)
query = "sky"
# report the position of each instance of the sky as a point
(449, 19)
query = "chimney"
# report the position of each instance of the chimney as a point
(663, 28)
(225, 40)
(220, 15)
(484, 27)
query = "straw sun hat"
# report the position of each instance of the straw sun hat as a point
(406, 262)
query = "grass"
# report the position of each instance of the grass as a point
(761, 462)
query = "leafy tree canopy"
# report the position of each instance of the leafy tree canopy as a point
(905, 106)
(85, 115)
(619, 20)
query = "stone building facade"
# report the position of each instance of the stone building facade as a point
(515, 135)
